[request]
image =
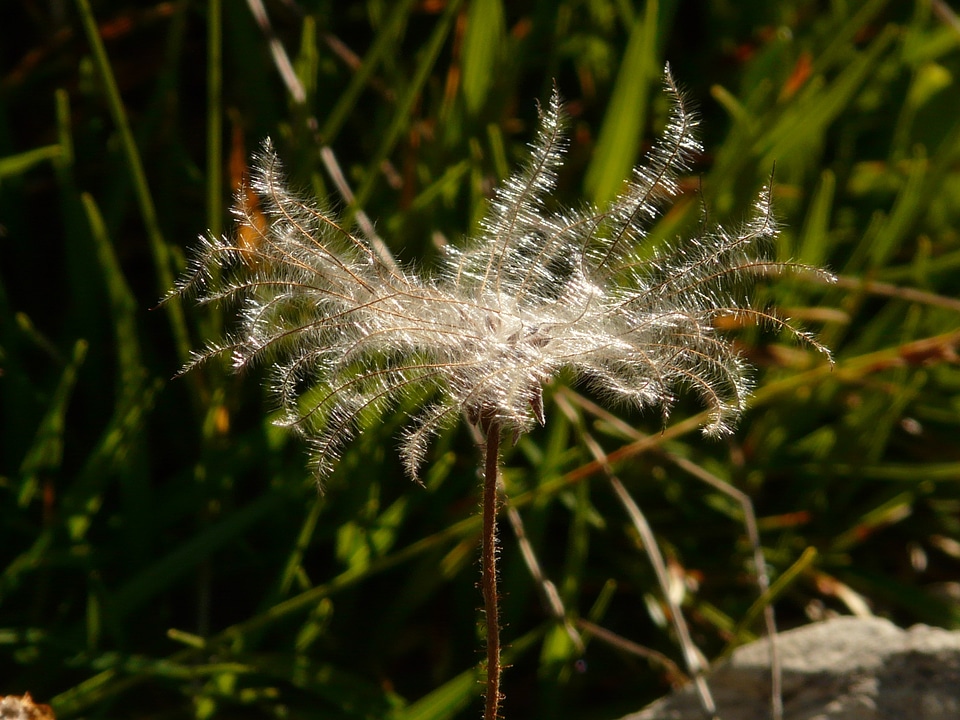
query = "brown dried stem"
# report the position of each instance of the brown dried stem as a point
(491, 598)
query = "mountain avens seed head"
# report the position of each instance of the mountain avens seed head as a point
(346, 331)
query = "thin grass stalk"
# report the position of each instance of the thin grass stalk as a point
(298, 95)
(381, 48)
(564, 399)
(763, 578)
(691, 656)
(695, 665)
(406, 100)
(674, 675)
(214, 117)
(551, 598)
(138, 177)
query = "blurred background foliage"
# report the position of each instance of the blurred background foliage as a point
(163, 549)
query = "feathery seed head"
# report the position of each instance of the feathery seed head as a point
(347, 331)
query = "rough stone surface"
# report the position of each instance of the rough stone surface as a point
(842, 669)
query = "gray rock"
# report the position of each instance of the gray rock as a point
(845, 668)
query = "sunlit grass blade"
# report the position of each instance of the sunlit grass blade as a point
(626, 117)
(483, 46)
(46, 453)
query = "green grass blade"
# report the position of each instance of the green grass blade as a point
(382, 45)
(215, 118)
(803, 126)
(122, 304)
(626, 118)
(158, 247)
(406, 100)
(19, 164)
(183, 559)
(483, 45)
(46, 452)
(814, 243)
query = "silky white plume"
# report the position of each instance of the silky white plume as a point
(538, 289)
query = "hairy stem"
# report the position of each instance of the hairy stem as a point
(491, 599)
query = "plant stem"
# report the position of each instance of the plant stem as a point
(491, 599)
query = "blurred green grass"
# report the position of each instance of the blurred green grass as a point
(163, 550)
